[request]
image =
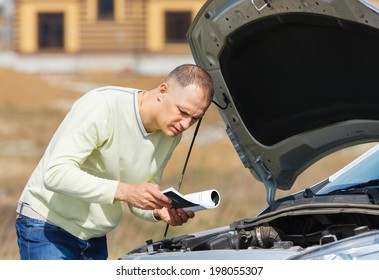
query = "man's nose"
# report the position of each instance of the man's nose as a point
(185, 123)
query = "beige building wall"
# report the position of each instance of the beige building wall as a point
(155, 22)
(28, 23)
(140, 22)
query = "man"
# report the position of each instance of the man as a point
(111, 148)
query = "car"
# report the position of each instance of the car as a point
(295, 81)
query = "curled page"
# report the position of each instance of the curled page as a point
(198, 201)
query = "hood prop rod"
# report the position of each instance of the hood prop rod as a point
(185, 167)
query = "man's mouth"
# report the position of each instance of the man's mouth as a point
(175, 130)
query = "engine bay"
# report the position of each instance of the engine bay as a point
(302, 231)
(282, 231)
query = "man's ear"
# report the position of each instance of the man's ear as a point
(162, 90)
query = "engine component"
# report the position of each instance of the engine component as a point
(261, 236)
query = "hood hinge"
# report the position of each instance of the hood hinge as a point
(264, 174)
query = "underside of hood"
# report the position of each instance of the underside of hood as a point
(295, 80)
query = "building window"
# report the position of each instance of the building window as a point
(105, 9)
(176, 26)
(50, 31)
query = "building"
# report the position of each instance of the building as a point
(103, 26)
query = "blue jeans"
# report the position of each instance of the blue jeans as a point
(38, 240)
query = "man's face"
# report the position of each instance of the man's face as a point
(181, 107)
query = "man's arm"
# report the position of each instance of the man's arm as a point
(83, 130)
(145, 196)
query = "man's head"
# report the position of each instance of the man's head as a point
(184, 97)
(190, 74)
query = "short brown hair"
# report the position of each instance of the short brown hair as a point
(189, 74)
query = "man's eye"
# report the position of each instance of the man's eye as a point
(187, 114)
(183, 112)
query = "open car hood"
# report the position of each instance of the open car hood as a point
(295, 80)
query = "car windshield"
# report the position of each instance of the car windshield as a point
(362, 170)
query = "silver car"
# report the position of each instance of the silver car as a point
(295, 80)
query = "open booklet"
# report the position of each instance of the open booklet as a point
(198, 201)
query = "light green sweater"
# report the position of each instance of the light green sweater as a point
(100, 142)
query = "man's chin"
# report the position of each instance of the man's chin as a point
(171, 133)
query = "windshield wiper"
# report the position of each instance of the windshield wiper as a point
(355, 187)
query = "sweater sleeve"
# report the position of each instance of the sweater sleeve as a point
(84, 129)
(143, 214)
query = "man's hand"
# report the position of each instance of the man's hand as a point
(173, 216)
(144, 196)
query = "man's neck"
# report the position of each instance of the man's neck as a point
(146, 110)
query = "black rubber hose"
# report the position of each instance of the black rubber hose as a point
(262, 236)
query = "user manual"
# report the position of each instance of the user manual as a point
(198, 201)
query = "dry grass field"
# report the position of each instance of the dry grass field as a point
(31, 108)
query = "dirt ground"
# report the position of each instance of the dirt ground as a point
(33, 105)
